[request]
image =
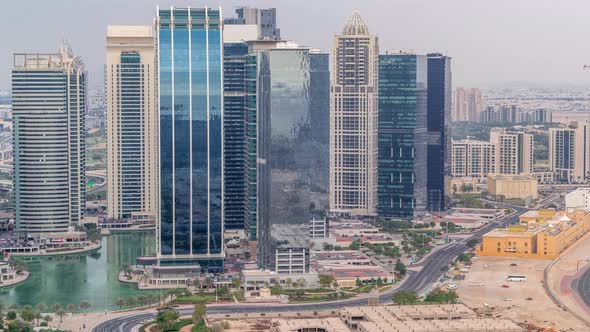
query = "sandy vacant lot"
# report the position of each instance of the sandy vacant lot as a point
(482, 289)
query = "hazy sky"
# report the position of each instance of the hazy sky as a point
(492, 42)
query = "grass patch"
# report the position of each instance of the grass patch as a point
(178, 325)
(364, 288)
(195, 299)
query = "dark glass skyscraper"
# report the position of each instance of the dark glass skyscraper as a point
(402, 135)
(294, 156)
(438, 124)
(189, 58)
(235, 125)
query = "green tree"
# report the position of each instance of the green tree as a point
(209, 282)
(131, 302)
(472, 243)
(120, 302)
(27, 315)
(47, 319)
(37, 316)
(199, 313)
(166, 318)
(301, 283)
(400, 267)
(404, 298)
(355, 244)
(71, 308)
(41, 307)
(326, 280)
(84, 305)
(358, 282)
(236, 283)
(440, 296)
(61, 314)
(11, 315)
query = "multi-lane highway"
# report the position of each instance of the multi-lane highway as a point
(419, 282)
(582, 286)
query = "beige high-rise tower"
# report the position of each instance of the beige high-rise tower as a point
(131, 122)
(353, 120)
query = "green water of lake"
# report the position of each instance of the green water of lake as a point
(91, 277)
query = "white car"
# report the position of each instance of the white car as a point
(508, 299)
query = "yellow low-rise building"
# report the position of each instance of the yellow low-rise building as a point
(513, 186)
(540, 234)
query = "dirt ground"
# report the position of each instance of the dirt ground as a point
(570, 265)
(522, 301)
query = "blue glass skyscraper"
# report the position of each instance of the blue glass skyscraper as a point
(189, 62)
(438, 125)
(402, 135)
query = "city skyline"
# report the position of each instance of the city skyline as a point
(480, 53)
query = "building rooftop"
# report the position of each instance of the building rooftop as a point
(325, 324)
(338, 255)
(355, 25)
(511, 177)
(129, 31)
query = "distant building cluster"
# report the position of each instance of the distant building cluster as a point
(504, 114)
(507, 152)
(469, 106)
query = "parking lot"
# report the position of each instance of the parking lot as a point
(485, 287)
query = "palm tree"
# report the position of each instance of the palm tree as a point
(197, 284)
(61, 313)
(41, 307)
(209, 282)
(120, 303)
(84, 305)
(131, 302)
(55, 308)
(71, 308)
(47, 319)
(37, 315)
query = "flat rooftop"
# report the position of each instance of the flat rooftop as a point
(338, 255)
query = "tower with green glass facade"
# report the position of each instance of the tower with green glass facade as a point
(402, 135)
(190, 89)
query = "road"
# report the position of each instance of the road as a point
(99, 186)
(582, 286)
(417, 282)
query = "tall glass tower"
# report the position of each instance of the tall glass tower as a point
(48, 107)
(190, 70)
(439, 126)
(402, 135)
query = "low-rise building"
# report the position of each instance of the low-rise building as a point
(351, 275)
(339, 257)
(319, 228)
(253, 280)
(578, 199)
(292, 260)
(540, 234)
(513, 186)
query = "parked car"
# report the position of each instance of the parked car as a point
(505, 286)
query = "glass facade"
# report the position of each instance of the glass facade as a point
(402, 135)
(320, 126)
(289, 153)
(235, 125)
(131, 124)
(48, 107)
(438, 123)
(191, 143)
